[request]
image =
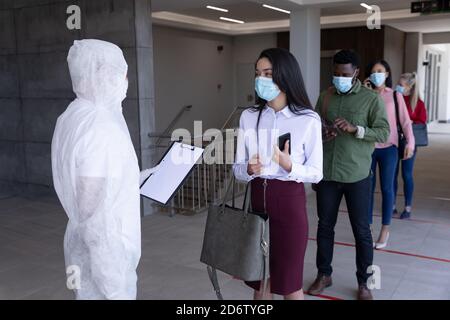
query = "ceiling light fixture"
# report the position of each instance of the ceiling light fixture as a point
(216, 8)
(366, 6)
(276, 9)
(231, 20)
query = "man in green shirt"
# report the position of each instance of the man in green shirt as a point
(354, 119)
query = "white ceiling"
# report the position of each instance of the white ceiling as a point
(173, 5)
(244, 10)
(355, 8)
(424, 25)
(193, 14)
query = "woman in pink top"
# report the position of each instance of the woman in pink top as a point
(386, 155)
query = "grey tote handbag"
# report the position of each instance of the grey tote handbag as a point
(236, 242)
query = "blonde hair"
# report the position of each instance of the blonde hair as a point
(412, 80)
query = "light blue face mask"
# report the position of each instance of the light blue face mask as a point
(378, 78)
(266, 88)
(400, 89)
(343, 84)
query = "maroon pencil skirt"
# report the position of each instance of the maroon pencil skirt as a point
(288, 223)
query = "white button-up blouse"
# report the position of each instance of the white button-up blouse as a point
(306, 144)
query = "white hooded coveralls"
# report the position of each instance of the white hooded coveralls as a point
(96, 175)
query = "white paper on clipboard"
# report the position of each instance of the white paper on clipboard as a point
(173, 170)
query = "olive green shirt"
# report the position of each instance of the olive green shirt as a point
(348, 158)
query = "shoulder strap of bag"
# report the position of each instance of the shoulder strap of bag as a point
(397, 114)
(326, 102)
(212, 272)
(246, 197)
(257, 127)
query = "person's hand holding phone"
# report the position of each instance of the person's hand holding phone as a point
(345, 126)
(254, 165)
(282, 158)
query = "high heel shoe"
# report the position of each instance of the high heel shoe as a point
(381, 245)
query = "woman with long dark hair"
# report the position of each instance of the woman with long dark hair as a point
(277, 172)
(386, 155)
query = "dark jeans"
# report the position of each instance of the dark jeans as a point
(329, 196)
(408, 179)
(387, 159)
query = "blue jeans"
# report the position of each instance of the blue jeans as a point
(387, 159)
(408, 179)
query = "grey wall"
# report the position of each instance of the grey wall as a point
(35, 84)
(246, 49)
(435, 38)
(394, 51)
(188, 71)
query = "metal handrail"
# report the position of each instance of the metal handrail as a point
(170, 126)
(230, 118)
(206, 183)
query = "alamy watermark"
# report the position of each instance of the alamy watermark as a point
(374, 281)
(221, 145)
(73, 273)
(73, 22)
(374, 20)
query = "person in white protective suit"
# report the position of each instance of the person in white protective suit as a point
(96, 176)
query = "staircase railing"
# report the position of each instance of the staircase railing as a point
(171, 125)
(207, 182)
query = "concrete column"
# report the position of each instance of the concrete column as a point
(145, 87)
(394, 51)
(413, 45)
(305, 46)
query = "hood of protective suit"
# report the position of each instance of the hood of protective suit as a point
(96, 176)
(99, 72)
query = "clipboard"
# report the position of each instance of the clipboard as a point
(175, 167)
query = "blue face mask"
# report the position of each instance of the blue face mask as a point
(266, 88)
(343, 84)
(400, 89)
(378, 78)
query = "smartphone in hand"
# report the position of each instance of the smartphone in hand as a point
(282, 141)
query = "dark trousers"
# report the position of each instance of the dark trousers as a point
(357, 195)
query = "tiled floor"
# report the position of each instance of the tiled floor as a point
(32, 262)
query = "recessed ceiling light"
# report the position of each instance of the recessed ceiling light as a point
(275, 8)
(366, 6)
(216, 8)
(231, 20)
